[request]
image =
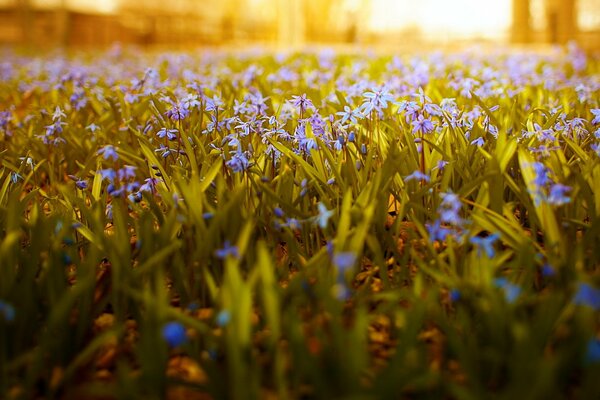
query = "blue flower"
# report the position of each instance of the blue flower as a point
(454, 295)
(174, 334)
(511, 291)
(422, 125)
(324, 215)
(437, 232)
(596, 113)
(478, 142)
(486, 244)
(558, 195)
(587, 295)
(344, 260)
(417, 176)
(227, 250)
(279, 212)
(108, 151)
(7, 311)
(547, 271)
(592, 353)
(449, 208)
(223, 318)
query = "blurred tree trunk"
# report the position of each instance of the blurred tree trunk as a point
(63, 24)
(26, 20)
(291, 25)
(521, 24)
(561, 17)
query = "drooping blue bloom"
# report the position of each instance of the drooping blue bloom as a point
(511, 291)
(478, 142)
(174, 334)
(486, 244)
(109, 151)
(324, 215)
(437, 232)
(344, 260)
(227, 250)
(587, 295)
(238, 162)
(592, 353)
(558, 195)
(223, 318)
(170, 134)
(417, 175)
(7, 311)
(596, 113)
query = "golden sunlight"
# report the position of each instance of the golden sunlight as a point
(434, 17)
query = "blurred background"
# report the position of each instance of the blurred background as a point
(294, 23)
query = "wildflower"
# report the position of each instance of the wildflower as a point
(170, 134)
(302, 103)
(422, 125)
(178, 112)
(437, 232)
(174, 334)
(278, 212)
(454, 295)
(15, 176)
(478, 142)
(587, 295)
(376, 100)
(223, 318)
(557, 194)
(227, 250)
(324, 215)
(449, 208)
(7, 311)
(80, 183)
(238, 162)
(511, 291)
(486, 244)
(547, 270)
(92, 127)
(344, 260)
(596, 113)
(349, 114)
(108, 151)
(592, 352)
(417, 176)
(58, 114)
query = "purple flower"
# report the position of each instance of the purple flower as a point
(486, 244)
(279, 212)
(171, 134)
(478, 142)
(344, 260)
(449, 209)
(596, 113)
(422, 125)
(302, 103)
(174, 334)
(227, 250)
(109, 151)
(417, 176)
(587, 295)
(558, 195)
(178, 112)
(437, 232)
(238, 162)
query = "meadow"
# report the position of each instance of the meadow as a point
(310, 225)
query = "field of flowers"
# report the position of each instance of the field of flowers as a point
(300, 226)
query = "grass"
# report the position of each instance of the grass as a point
(293, 245)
